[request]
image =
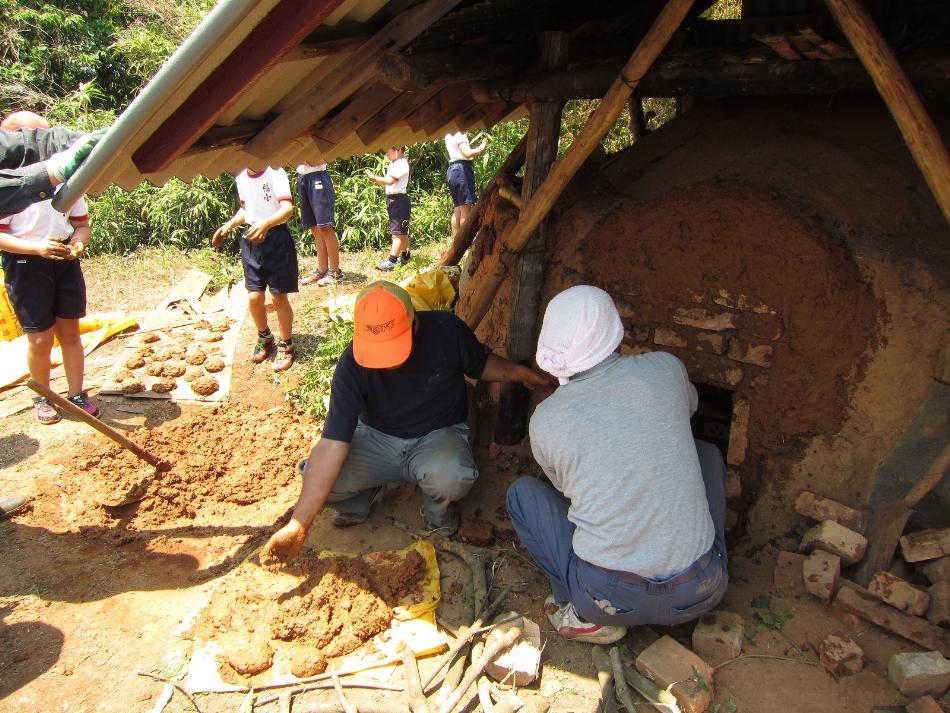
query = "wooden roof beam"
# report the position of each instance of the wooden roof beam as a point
(898, 93)
(328, 41)
(712, 76)
(283, 27)
(345, 75)
(394, 112)
(370, 101)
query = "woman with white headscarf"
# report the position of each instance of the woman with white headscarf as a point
(632, 531)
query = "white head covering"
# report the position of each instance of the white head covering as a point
(581, 328)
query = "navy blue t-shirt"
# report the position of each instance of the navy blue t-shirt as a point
(425, 393)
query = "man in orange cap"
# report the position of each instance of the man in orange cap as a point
(398, 404)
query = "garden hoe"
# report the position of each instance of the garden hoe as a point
(137, 492)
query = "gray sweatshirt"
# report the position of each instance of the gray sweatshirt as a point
(616, 441)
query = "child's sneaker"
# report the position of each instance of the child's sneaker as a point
(314, 277)
(285, 355)
(45, 413)
(388, 264)
(263, 348)
(566, 621)
(83, 401)
(404, 259)
(330, 278)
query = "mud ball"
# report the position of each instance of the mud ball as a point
(210, 337)
(204, 386)
(161, 355)
(192, 373)
(163, 386)
(144, 352)
(135, 362)
(196, 357)
(173, 369)
(122, 375)
(251, 659)
(149, 338)
(220, 325)
(214, 364)
(202, 324)
(305, 662)
(131, 387)
(155, 368)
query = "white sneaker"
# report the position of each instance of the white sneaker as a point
(568, 624)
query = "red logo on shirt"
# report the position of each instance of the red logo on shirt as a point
(377, 329)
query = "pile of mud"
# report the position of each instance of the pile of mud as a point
(339, 604)
(218, 459)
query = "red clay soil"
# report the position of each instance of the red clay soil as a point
(341, 604)
(220, 457)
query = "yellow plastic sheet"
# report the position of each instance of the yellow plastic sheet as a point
(94, 329)
(429, 290)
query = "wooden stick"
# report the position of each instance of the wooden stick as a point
(414, 695)
(372, 685)
(605, 680)
(345, 704)
(898, 93)
(475, 564)
(564, 169)
(492, 649)
(620, 683)
(105, 430)
(365, 708)
(178, 688)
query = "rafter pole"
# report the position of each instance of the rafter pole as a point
(475, 305)
(898, 93)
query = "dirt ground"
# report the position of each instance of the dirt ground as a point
(89, 597)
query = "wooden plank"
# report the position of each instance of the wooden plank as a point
(345, 76)
(394, 112)
(541, 151)
(857, 600)
(895, 88)
(440, 108)
(371, 100)
(189, 288)
(807, 48)
(283, 27)
(475, 304)
(780, 45)
(327, 41)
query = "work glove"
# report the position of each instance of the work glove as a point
(64, 164)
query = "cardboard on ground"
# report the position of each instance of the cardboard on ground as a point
(181, 308)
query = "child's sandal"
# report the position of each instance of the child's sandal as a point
(285, 356)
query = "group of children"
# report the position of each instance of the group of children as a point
(40, 247)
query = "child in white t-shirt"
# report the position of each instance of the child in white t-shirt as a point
(460, 175)
(41, 247)
(395, 182)
(268, 256)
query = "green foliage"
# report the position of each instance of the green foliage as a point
(313, 391)
(724, 10)
(772, 614)
(179, 214)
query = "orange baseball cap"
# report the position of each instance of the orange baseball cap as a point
(382, 325)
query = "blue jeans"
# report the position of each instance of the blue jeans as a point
(440, 463)
(603, 596)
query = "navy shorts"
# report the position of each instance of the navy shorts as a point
(317, 199)
(460, 176)
(397, 205)
(43, 290)
(271, 263)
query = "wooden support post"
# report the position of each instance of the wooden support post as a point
(542, 140)
(477, 303)
(638, 123)
(898, 93)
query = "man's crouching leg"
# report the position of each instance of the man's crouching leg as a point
(441, 462)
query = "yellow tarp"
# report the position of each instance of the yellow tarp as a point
(94, 329)
(428, 290)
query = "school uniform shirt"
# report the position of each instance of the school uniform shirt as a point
(425, 393)
(305, 168)
(261, 193)
(452, 144)
(40, 221)
(398, 169)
